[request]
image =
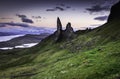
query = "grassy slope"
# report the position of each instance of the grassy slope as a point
(94, 55)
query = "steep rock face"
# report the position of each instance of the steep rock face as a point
(59, 24)
(115, 12)
(60, 34)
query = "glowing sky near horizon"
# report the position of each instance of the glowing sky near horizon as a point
(73, 11)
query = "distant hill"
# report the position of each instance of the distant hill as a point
(29, 38)
(6, 34)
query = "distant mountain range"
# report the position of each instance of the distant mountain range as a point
(28, 38)
(19, 28)
(6, 33)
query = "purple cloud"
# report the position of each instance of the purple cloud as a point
(98, 8)
(24, 18)
(101, 18)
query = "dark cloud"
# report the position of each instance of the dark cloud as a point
(14, 24)
(98, 8)
(101, 18)
(68, 7)
(56, 9)
(21, 16)
(51, 10)
(105, 2)
(24, 18)
(61, 4)
(101, 5)
(36, 17)
(59, 7)
(5, 18)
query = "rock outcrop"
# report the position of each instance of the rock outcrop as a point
(69, 32)
(59, 24)
(60, 34)
(115, 12)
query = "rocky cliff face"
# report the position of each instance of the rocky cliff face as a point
(60, 34)
(115, 12)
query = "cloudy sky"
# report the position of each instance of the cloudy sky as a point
(43, 13)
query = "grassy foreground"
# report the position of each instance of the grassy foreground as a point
(94, 55)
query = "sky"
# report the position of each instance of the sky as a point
(43, 13)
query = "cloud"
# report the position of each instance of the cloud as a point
(61, 4)
(101, 6)
(51, 10)
(98, 8)
(36, 17)
(13, 24)
(5, 18)
(21, 16)
(101, 18)
(2, 25)
(56, 9)
(24, 28)
(59, 7)
(24, 18)
(68, 7)
(95, 25)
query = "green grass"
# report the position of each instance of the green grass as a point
(88, 56)
(93, 64)
(101, 62)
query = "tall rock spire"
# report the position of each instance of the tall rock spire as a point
(59, 24)
(58, 33)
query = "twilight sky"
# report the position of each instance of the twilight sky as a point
(43, 13)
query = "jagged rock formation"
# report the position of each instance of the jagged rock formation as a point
(59, 24)
(60, 34)
(115, 12)
(69, 32)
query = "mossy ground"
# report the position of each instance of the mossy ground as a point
(90, 56)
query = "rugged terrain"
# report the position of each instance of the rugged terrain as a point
(85, 54)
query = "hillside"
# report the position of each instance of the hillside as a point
(88, 54)
(26, 39)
